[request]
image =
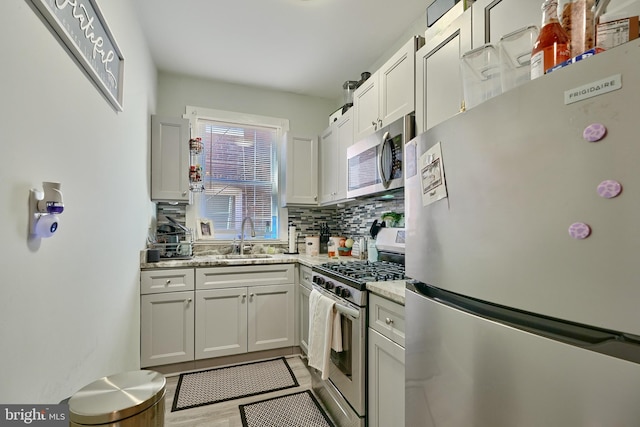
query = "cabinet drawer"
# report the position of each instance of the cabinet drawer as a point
(157, 281)
(245, 275)
(305, 276)
(387, 317)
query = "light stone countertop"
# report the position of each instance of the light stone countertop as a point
(220, 261)
(392, 290)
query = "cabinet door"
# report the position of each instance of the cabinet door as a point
(327, 165)
(438, 79)
(300, 172)
(397, 84)
(270, 316)
(493, 19)
(169, 159)
(221, 322)
(386, 382)
(366, 107)
(166, 328)
(303, 304)
(344, 130)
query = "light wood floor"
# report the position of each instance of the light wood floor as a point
(227, 414)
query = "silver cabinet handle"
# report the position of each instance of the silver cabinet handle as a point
(388, 321)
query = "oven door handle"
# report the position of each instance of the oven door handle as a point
(347, 310)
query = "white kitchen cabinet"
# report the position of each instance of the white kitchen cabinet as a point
(493, 19)
(388, 94)
(221, 322)
(300, 172)
(439, 93)
(170, 158)
(234, 317)
(166, 328)
(334, 142)
(166, 316)
(386, 364)
(304, 291)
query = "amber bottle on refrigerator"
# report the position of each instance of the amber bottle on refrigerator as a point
(553, 45)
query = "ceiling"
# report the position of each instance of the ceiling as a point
(308, 47)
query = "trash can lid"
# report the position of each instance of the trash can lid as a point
(116, 397)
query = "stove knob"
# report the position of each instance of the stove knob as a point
(345, 293)
(338, 290)
(328, 285)
(319, 280)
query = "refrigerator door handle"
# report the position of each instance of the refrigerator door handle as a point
(612, 343)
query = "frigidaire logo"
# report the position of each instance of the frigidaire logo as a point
(37, 415)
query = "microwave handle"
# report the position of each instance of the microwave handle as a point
(385, 180)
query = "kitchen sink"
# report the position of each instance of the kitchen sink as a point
(236, 256)
(245, 256)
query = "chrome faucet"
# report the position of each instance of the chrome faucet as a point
(253, 233)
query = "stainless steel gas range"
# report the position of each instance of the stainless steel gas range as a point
(344, 393)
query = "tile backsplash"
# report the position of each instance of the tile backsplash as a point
(354, 219)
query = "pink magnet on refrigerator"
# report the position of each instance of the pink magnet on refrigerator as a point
(609, 189)
(594, 132)
(579, 230)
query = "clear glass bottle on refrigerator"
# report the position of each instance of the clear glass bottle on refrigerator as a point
(552, 47)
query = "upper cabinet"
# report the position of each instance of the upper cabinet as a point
(333, 159)
(388, 94)
(170, 159)
(300, 172)
(493, 19)
(439, 92)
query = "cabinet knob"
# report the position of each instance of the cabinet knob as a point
(379, 122)
(251, 295)
(244, 297)
(388, 321)
(184, 193)
(189, 300)
(168, 282)
(373, 123)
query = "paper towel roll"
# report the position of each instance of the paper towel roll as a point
(292, 239)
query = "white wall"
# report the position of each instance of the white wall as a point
(308, 116)
(69, 305)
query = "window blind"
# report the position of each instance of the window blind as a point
(240, 178)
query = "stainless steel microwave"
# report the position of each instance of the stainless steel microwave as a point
(374, 164)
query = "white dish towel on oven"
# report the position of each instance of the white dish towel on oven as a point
(321, 318)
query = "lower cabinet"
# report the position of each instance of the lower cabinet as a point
(239, 320)
(218, 311)
(166, 328)
(304, 291)
(386, 363)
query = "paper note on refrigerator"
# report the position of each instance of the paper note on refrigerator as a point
(432, 178)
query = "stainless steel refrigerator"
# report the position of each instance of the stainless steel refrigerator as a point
(523, 243)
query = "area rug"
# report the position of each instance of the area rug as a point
(297, 409)
(232, 382)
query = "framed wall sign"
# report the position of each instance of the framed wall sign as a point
(83, 30)
(204, 230)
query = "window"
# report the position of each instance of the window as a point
(240, 170)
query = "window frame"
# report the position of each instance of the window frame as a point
(193, 114)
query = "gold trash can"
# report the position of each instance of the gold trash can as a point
(129, 399)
